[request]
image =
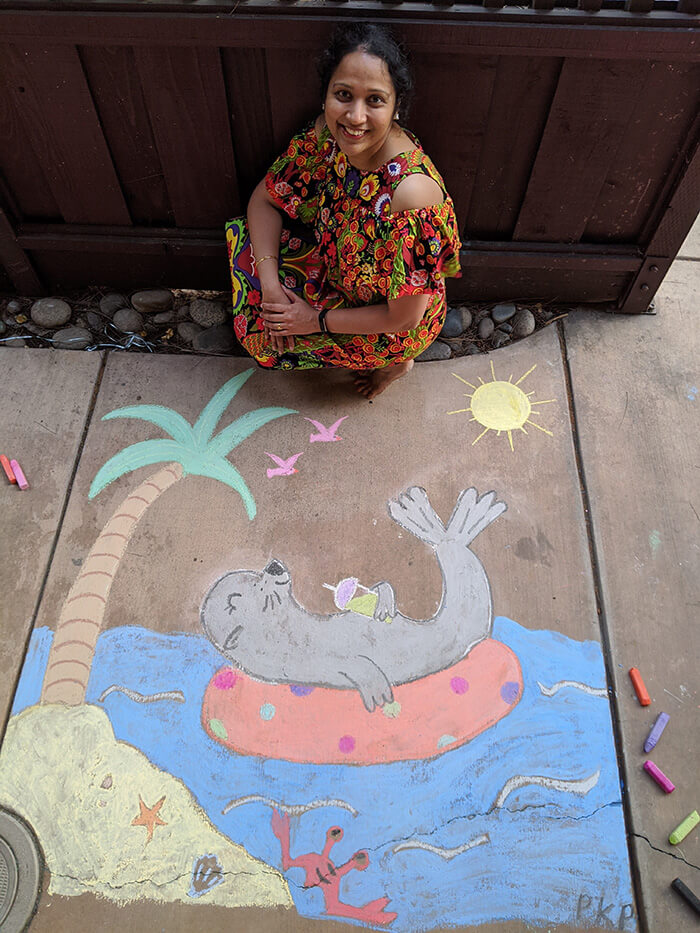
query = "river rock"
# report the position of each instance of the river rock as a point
(523, 323)
(128, 321)
(94, 321)
(112, 302)
(187, 331)
(51, 312)
(152, 300)
(436, 351)
(499, 339)
(486, 328)
(3, 328)
(457, 320)
(219, 339)
(472, 350)
(207, 313)
(506, 328)
(503, 312)
(164, 317)
(72, 338)
(14, 342)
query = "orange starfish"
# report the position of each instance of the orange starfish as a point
(148, 817)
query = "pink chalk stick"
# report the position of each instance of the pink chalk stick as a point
(21, 479)
(659, 776)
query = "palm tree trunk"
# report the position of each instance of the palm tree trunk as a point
(80, 622)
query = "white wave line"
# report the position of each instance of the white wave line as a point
(292, 809)
(593, 691)
(447, 854)
(582, 786)
(176, 695)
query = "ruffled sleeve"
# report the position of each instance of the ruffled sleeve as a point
(292, 181)
(417, 250)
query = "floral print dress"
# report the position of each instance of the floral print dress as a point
(342, 248)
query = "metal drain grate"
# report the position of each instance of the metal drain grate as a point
(8, 880)
(21, 866)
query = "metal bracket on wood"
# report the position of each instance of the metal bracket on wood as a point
(638, 299)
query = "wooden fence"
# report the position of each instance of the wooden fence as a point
(129, 133)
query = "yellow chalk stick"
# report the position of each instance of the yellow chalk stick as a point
(682, 830)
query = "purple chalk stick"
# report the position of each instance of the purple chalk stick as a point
(659, 776)
(656, 731)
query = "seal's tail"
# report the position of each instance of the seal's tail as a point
(413, 511)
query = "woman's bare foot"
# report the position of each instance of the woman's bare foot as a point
(371, 382)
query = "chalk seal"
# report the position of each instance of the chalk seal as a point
(686, 894)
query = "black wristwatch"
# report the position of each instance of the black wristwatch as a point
(322, 326)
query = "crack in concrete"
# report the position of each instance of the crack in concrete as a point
(664, 851)
(264, 870)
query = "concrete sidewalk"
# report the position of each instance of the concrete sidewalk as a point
(222, 778)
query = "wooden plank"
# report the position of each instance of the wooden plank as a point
(652, 37)
(295, 96)
(16, 262)
(520, 103)
(634, 383)
(661, 124)
(119, 99)
(46, 401)
(63, 129)
(454, 91)
(589, 114)
(21, 170)
(186, 100)
(251, 120)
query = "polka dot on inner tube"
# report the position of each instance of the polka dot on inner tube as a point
(267, 711)
(224, 680)
(459, 685)
(346, 744)
(510, 691)
(300, 690)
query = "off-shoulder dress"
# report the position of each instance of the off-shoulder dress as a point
(341, 247)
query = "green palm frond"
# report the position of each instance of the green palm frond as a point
(243, 427)
(145, 453)
(170, 421)
(211, 413)
(226, 472)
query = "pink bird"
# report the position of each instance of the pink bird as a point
(324, 433)
(284, 467)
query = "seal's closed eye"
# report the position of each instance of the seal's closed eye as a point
(229, 605)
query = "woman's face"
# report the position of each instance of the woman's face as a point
(360, 106)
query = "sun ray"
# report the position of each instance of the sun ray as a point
(458, 411)
(464, 381)
(526, 374)
(485, 431)
(510, 439)
(540, 428)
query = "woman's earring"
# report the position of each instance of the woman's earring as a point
(323, 106)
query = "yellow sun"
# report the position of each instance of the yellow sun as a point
(502, 406)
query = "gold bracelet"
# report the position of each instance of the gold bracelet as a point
(259, 262)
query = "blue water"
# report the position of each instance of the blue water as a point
(553, 856)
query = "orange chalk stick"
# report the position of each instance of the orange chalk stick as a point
(639, 687)
(7, 468)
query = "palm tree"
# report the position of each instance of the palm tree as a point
(190, 450)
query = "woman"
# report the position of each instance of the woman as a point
(356, 276)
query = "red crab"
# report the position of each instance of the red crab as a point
(322, 873)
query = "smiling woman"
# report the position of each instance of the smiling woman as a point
(348, 240)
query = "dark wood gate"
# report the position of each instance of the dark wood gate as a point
(568, 136)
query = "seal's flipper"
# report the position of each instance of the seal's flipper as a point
(472, 515)
(370, 680)
(386, 601)
(412, 510)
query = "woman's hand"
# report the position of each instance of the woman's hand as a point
(292, 315)
(274, 294)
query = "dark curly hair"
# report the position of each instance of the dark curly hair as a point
(374, 40)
